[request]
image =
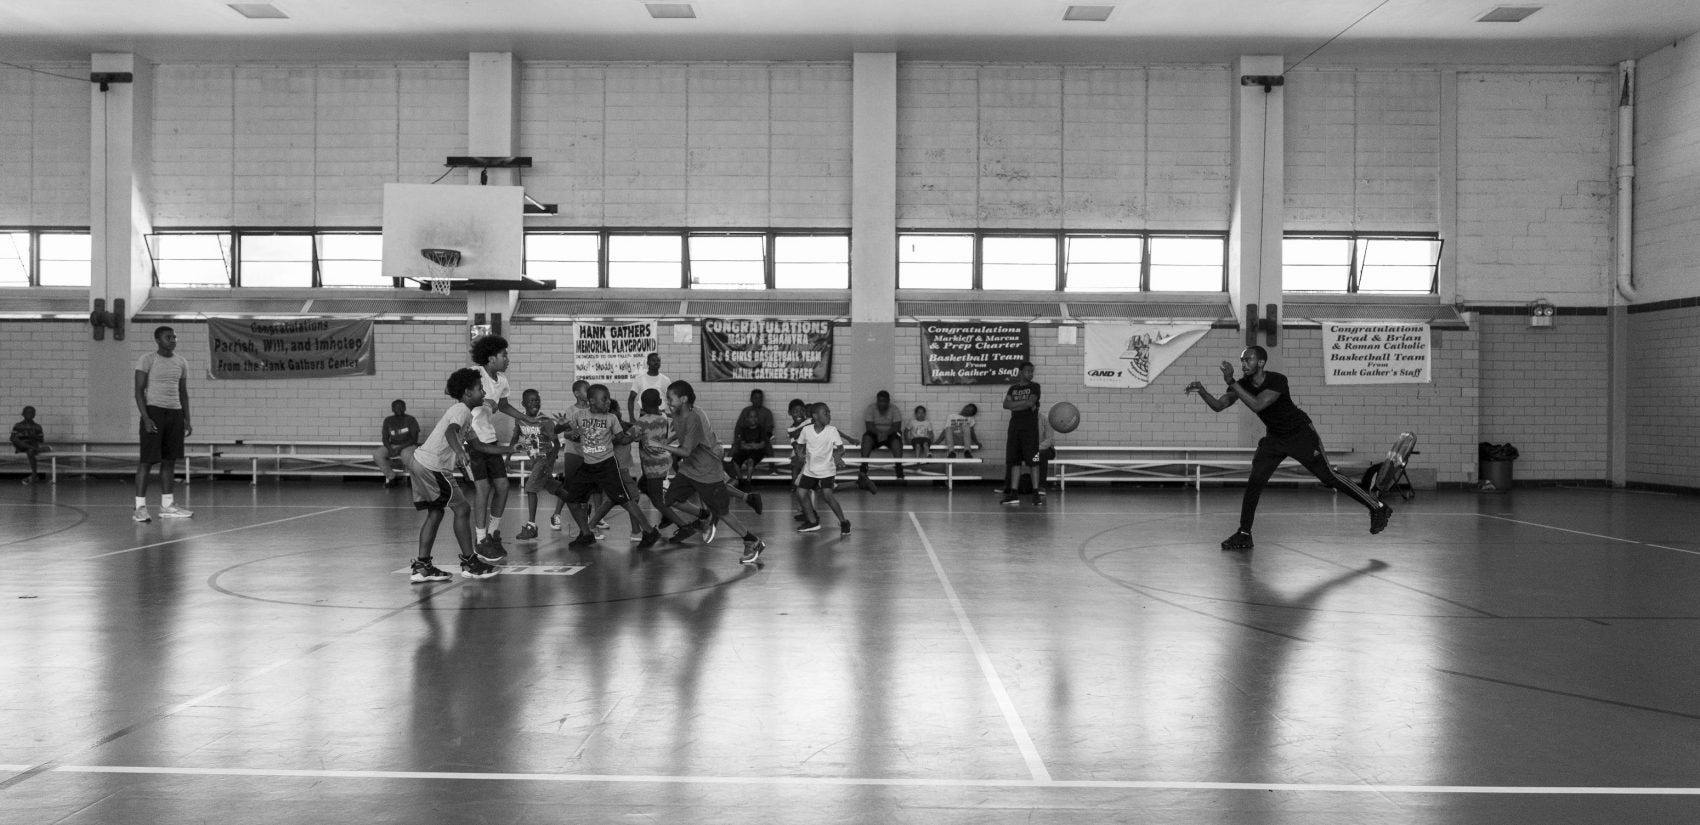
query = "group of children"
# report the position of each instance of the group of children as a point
(593, 443)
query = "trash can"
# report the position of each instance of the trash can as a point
(1493, 466)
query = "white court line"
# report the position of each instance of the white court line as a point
(898, 782)
(1589, 535)
(1030, 753)
(215, 533)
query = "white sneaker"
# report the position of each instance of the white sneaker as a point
(141, 516)
(174, 511)
(555, 522)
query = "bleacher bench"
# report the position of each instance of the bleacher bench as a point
(1189, 465)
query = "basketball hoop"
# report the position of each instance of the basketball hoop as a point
(441, 265)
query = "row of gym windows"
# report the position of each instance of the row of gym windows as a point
(1070, 262)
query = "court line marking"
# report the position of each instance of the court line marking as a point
(215, 533)
(1029, 752)
(1589, 535)
(825, 781)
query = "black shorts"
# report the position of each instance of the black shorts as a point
(165, 443)
(713, 495)
(741, 455)
(812, 483)
(487, 466)
(603, 476)
(1023, 443)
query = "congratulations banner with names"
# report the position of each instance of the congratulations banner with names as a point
(1131, 356)
(1375, 353)
(795, 352)
(612, 353)
(296, 348)
(972, 352)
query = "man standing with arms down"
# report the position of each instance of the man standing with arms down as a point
(1022, 401)
(1291, 434)
(651, 379)
(162, 397)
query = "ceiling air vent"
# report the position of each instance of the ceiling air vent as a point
(258, 11)
(666, 11)
(1508, 14)
(1097, 14)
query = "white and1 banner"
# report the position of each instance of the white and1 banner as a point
(612, 353)
(1131, 356)
(1375, 353)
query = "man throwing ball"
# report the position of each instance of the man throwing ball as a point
(1290, 434)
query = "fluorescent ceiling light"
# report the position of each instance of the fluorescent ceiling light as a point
(1508, 14)
(258, 11)
(1097, 14)
(661, 11)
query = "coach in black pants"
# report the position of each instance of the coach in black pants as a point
(1290, 434)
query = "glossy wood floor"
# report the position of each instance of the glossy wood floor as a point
(1530, 657)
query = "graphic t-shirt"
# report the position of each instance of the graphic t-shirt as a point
(1027, 419)
(569, 446)
(819, 445)
(1283, 418)
(436, 453)
(697, 436)
(28, 433)
(913, 430)
(530, 440)
(961, 425)
(164, 375)
(654, 431)
(596, 433)
(401, 431)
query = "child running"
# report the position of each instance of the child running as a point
(571, 459)
(431, 470)
(799, 410)
(701, 472)
(823, 448)
(538, 442)
(599, 432)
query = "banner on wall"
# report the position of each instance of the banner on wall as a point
(612, 353)
(972, 352)
(296, 348)
(784, 351)
(1131, 356)
(1375, 353)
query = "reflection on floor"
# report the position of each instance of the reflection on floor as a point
(1519, 658)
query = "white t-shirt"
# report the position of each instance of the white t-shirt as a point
(164, 374)
(819, 446)
(436, 453)
(484, 418)
(658, 382)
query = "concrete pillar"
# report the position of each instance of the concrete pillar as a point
(873, 228)
(120, 155)
(1258, 214)
(492, 130)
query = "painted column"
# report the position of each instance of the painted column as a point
(873, 230)
(1258, 212)
(492, 130)
(120, 132)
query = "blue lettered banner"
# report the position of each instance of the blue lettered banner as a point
(294, 348)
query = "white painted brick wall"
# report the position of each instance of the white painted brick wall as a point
(1667, 167)
(44, 146)
(1363, 150)
(1663, 432)
(646, 153)
(1103, 148)
(1547, 392)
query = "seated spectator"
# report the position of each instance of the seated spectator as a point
(882, 424)
(28, 438)
(399, 438)
(918, 431)
(752, 439)
(959, 432)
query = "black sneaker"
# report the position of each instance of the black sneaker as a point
(752, 551)
(809, 527)
(649, 539)
(685, 531)
(1038, 499)
(1010, 499)
(490, 550)
(1240, 540)
(754, 501)
(867, 484)
(424, 571)
(1378, 518)
(844, 528)
(799, 517)
(473, 568)
(582, 540)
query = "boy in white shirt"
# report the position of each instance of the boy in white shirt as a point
(490, 470)
(431, 470)
(823, 448)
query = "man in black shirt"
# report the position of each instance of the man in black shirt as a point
(1290, 434)
(1022, 447)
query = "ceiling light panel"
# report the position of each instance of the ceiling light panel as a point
(1096, 14)
(1508, 14)
(670, 11)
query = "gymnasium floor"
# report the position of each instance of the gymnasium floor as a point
(1528, 657)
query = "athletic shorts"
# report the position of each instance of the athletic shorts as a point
(713, 495)
(433, 490)
(1023, 443)
(487, 466)
(812, 483)
(741, 455)
(603, 476)
(655, 487)
(570, 462)
(165, 443)
(538, 470)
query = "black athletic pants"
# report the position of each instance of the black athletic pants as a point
(1305, 447)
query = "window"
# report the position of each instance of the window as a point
(728, 261)
(1011, 262)
(276, 260)
(199, 259)
(1104, 263)
(1188, 264)
(935, 261)
(1348, 264)
(15, 258)
(64, 259)
(350, 259)
(570, 259)
(646, 261)
(811, 262)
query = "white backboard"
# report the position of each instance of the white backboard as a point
(486, 223)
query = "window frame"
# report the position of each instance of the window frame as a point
(1355, 263)
(32, 266)
(1060, 239)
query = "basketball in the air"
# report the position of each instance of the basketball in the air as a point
(1064, 417)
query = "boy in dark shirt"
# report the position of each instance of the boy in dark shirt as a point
(1290, 434)
(28, 438)
(1022, 401)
